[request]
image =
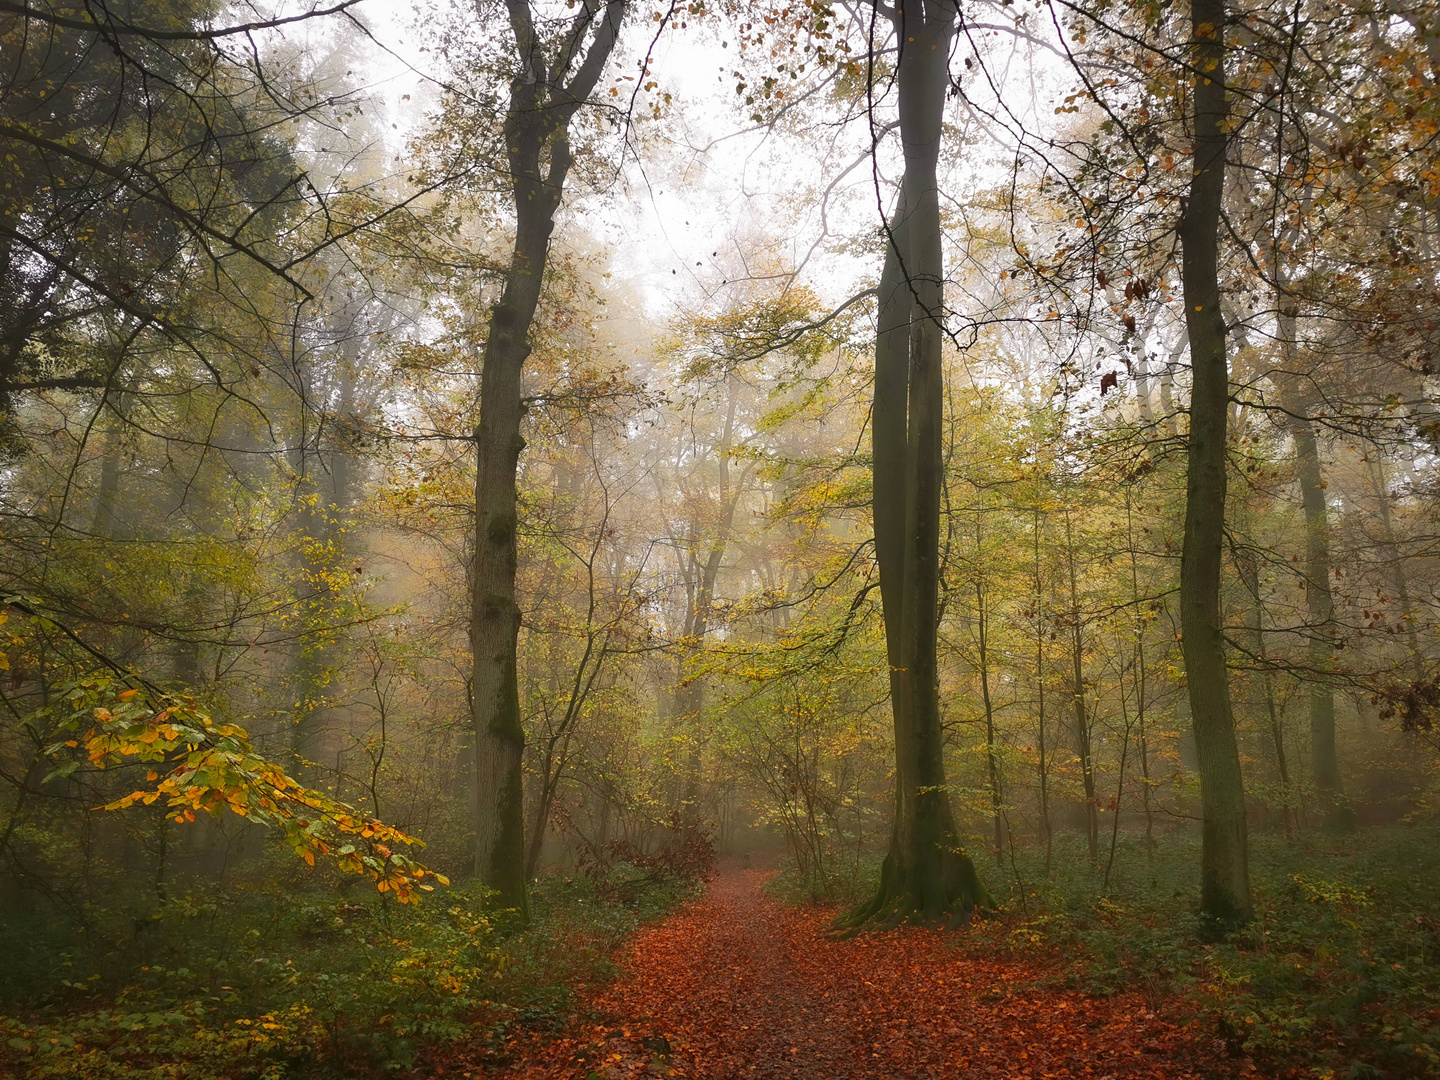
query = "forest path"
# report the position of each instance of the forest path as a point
(739, 985)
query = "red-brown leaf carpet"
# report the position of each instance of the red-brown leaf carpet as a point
(739, 985)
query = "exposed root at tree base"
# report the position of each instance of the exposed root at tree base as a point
(948, 897)
(889, 913)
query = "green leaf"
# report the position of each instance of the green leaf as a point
(60, 772)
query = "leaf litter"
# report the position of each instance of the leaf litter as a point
(739, 985)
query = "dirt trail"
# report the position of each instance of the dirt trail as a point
(738, 985)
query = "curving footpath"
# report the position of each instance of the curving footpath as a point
(738, 986)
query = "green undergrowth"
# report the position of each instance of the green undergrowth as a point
(288, 980)
(1338, 975)
(844, 889)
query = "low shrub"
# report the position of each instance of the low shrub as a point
(266, 982)
(846, 886)
(1339, 973)
(682, 854)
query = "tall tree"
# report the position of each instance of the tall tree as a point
(1298, 391)
(710, 539)
(1224, 860)
(1083, 733)
(926, 873)
(555, 74)
(1319, 597)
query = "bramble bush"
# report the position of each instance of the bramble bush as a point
(683, 854)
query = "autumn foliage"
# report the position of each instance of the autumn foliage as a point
(194, 764)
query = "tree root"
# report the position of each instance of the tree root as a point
(946, 894)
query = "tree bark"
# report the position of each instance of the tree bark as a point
(1142, 681)
(926, 874)
(1319, 597)
(991, 757)
(1320, 605)
(1167, 426)
(1045, 828)
(1082, 719)
(544, 96)
(1225, 874)
(690, 692)
(107, 495)
(1415, 658)
(1250, 576)
(324, 476)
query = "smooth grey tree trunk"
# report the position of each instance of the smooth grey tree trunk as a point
(324, 474)
(1082, 717)
(690, 689)
(544, 96)
(927, 873)
(1249, 569)
(1044, 766)
(992, 757)
(1320, 605)
(1224, 870)
(1415, 659)
(1319, 596)
(1142, 681)
(102, 526)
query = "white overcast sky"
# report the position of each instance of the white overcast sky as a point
(684, 220)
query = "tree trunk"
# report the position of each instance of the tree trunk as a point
(495, 614)
(1225, 873)
(1142, 682)
(1250, 574)
(1415, 659)
(690, 695)
(1319, 598)
(1320, 605)
(1120, 782)
(324, 496)
(550, 776)
(112, 431)
(926, 874)
(1177, 348)
(991, 758)
(1144, 387)
(1045, 828)
(537, 143)
(1082, 719)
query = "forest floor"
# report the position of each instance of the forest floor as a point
(740, 985)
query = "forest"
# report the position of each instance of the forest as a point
(792, 539)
